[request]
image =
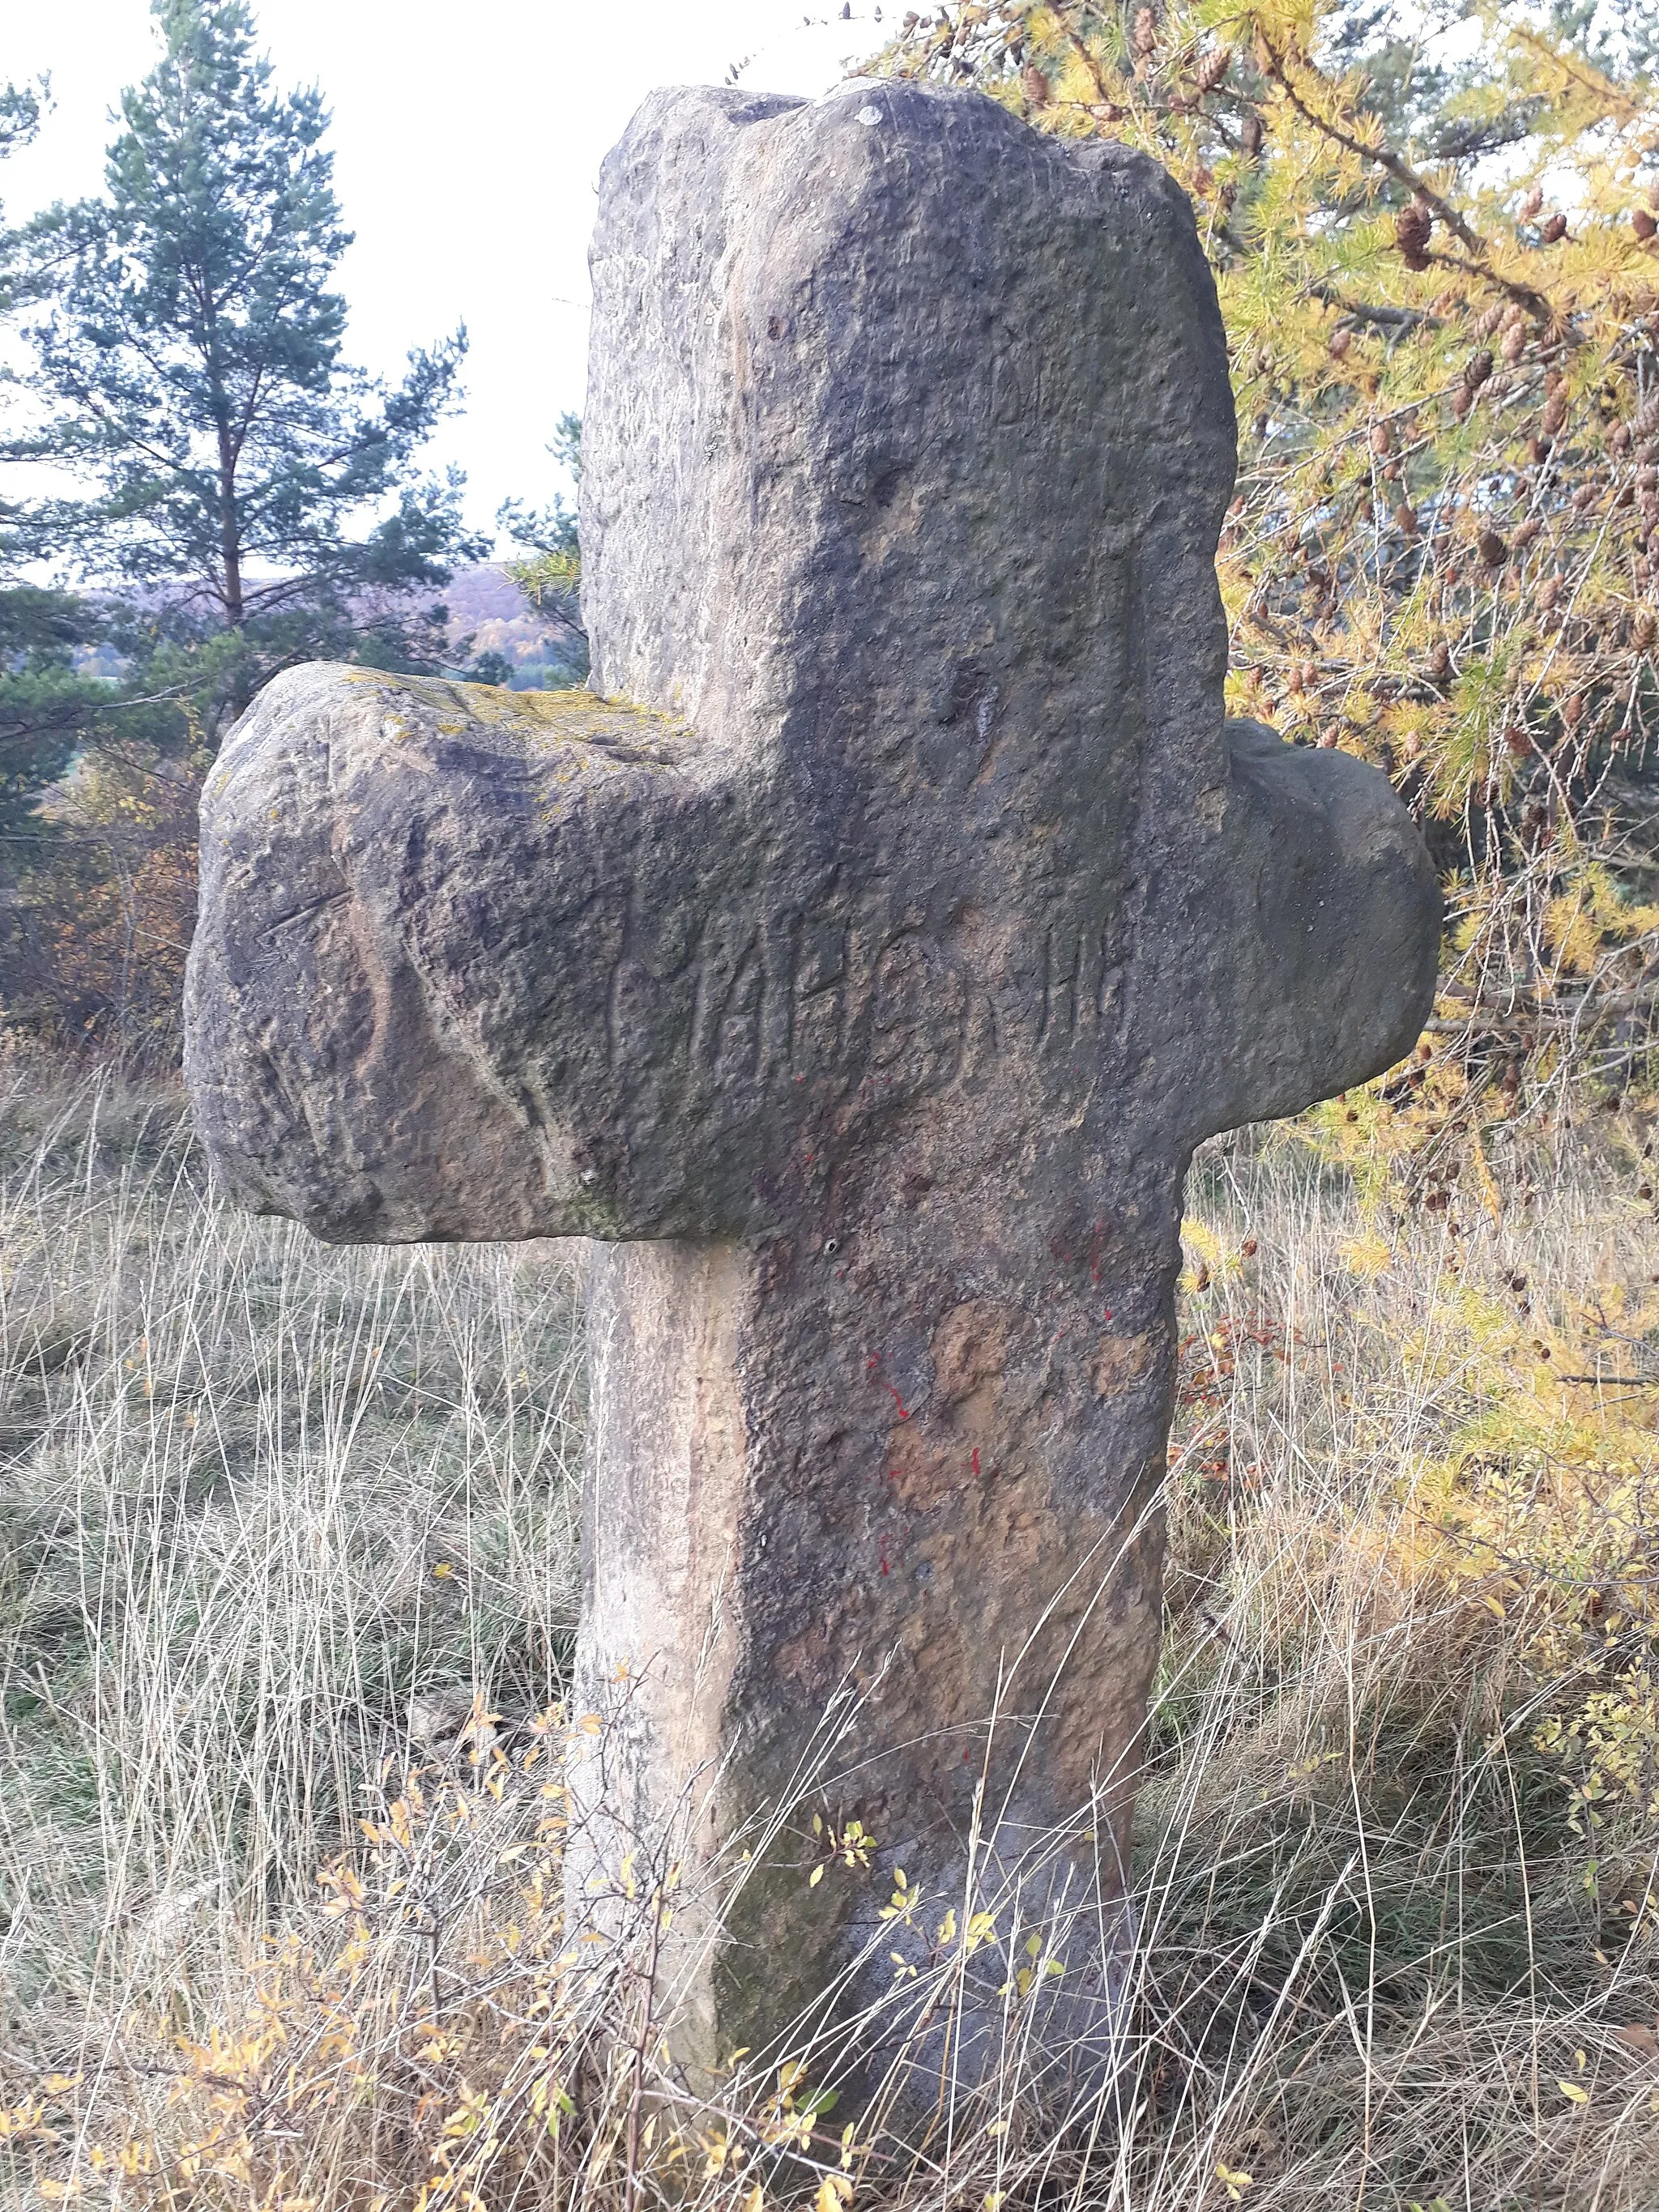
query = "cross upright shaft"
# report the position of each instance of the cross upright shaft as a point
(862, 965)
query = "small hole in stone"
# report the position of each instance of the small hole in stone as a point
(831, 1246)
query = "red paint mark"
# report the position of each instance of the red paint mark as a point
(885, 1569)
(1108, 1313)
(903, 1410)
(975, 1459)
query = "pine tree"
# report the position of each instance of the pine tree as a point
(187, 367)
(44, 705)
(551, 575)
(185, 363)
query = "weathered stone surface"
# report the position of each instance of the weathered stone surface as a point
(865, 975)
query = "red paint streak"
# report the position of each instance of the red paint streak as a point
(1108, 1313)
(903, 1410)
(975, 1459)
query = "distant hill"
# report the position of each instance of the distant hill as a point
(486, 605)
(488, 614)
(483, 593)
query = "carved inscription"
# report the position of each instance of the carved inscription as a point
(1079, 985)
(816, 993)
(916, 1025)
(739, 1008)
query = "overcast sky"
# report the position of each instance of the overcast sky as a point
(467, 137)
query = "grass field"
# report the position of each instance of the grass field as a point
(276, 1516)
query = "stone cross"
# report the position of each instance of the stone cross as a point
(860, 959)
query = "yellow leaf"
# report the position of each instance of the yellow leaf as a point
(1572, 2090)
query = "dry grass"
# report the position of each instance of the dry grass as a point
(261, 1500)
(276, 1516)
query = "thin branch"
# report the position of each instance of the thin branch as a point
(1080, 47)
(1386, 319)
(1403, 174)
